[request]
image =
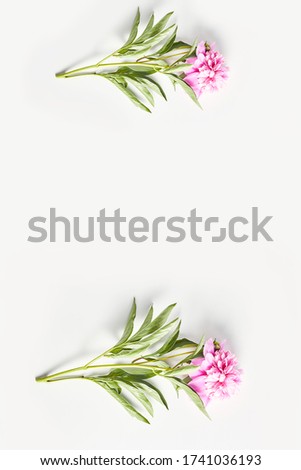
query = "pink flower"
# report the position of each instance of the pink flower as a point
(217, 375)
(208, 71)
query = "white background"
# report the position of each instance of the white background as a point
(79, 145)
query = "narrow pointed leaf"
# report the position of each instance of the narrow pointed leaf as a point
(120, 80)
(129, 325)
(191, 393)
(133, 375)
(180, 371)
(139, 395)
(154, 392)
(141, 371)
(161, 24)
(169, 343)
(142, 88)
(110, 383)
(178, 68)
(155, 86)
(169, 43)
(158, 363)
(195, 353)
(184, 343)
(175, 386)
(124, 402)
(181, 45)
(133, 32)
(152, 41)
(133, 70)
(138, 51)
(160, 333)
(160, 319)
(188, 53)
(129, 94)
(135, 352)
(199, 346)
(147, 32)
(148, 319)
(185, 87)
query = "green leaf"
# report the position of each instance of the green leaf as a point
(133, 71)
(148, 319)
(175, 386)
(151, 35)
(185, 87)
(135, 374)
(152, 41)
(195, 353)
(133, 32)
(128, 93)
(169, 43)
(170, 342)
(147, 32)
(159, 26)
(132, 351)
(142, 88)
(138, 51)
(190, 51)
(180, 45)
(180, 371)
(129, 325)
(199, 346)
(184, 343)
(159, 320)
(177, 68)
(157, 362)
(191, 393)
(154, 392)
(160, 333)
(140, 371)
(111, 383)
(155, 86)
(139, 395)
(124, 402)
(121, 80)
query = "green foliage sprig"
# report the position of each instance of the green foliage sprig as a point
(148, 353)
(154, 51)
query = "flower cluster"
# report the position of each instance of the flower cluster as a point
(208, 71)
(217, 375)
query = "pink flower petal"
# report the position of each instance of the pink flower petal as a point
(208, 71)
(217, 375)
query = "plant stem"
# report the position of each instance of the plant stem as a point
(78, 71)
(163, 358)
(81, 69)
(97, 357)
(49, 378)
(173, 55)
(106, 58)
(175, 355)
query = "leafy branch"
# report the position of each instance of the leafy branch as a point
(149, 352)
(155, 50)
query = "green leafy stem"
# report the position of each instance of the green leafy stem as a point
(155, 50)
(148, 353)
